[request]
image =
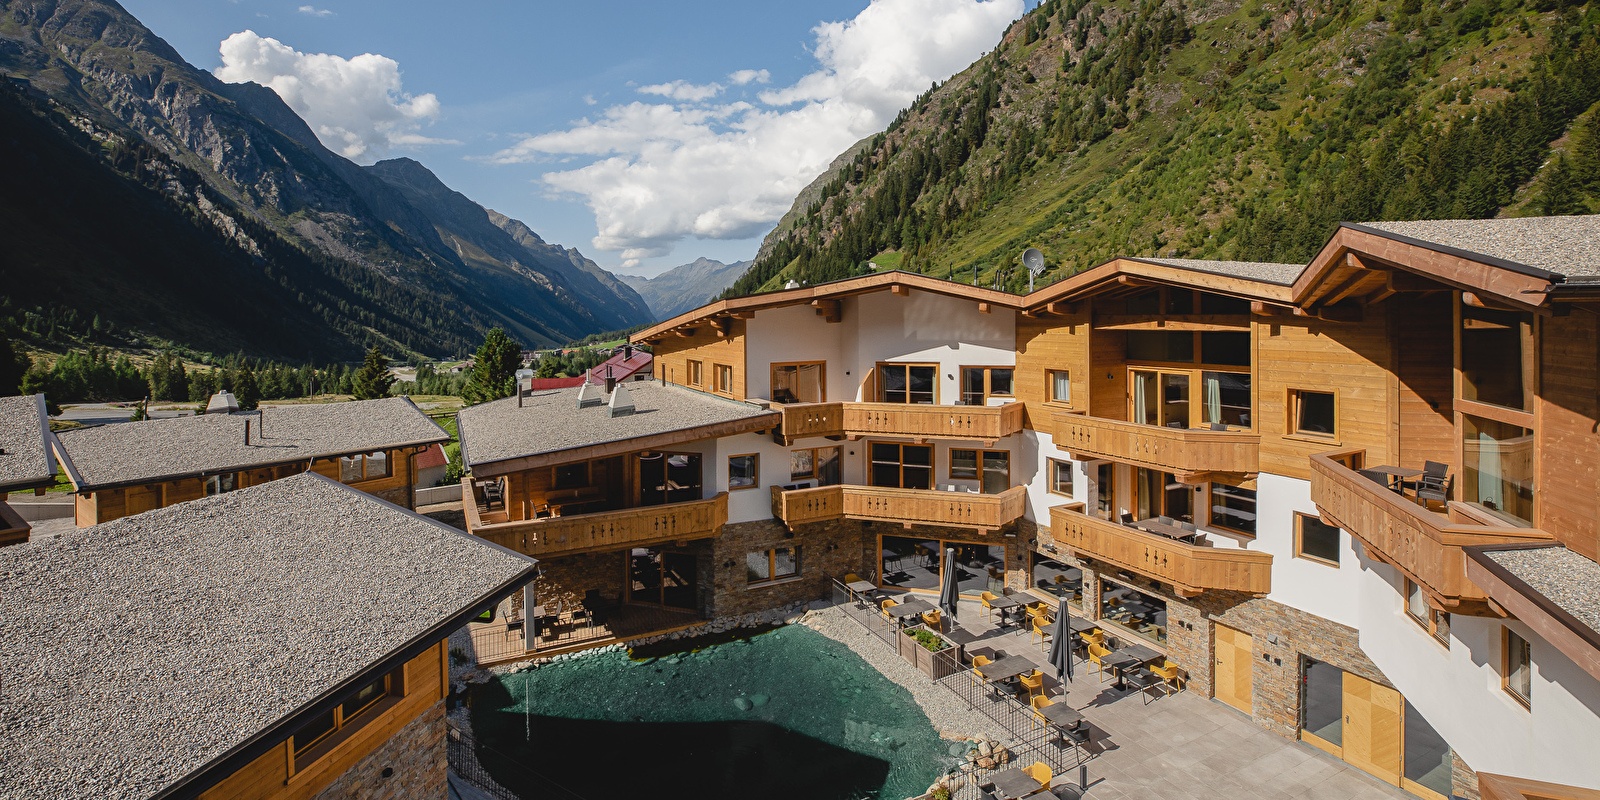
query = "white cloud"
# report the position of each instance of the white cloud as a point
(662, 172)
(683, 90)
(356, 105)
(747, 76)
(314, 11)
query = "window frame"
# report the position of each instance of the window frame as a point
(822, 377)
(877, 375)
(1294, 406)
(365, 459)
(980, 455)
(1437, 623)
(301, 757)
(695, 372)
(555, 476)
(717, 373)
(772, 566)
(1526, 649)
(755, 471)
(933, 461)
(1299, 540)
(1050, 386)
(1211, 515)
(232, 481)
(1051, 464)
(988, 382)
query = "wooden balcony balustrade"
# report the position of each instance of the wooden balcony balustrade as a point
(606, 530)
(908, 506)
(1183, 452)
(987, 424)
(1424, 545)
(1190, 568)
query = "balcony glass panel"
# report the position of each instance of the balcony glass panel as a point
(1497, 474)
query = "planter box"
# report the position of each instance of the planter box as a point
(935, 665)
(908, 645)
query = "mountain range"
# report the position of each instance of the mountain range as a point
(1210, 129)
(207, 215)
(686, 286)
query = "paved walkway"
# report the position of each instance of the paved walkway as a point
(1182, 747)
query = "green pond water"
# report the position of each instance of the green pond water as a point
(788, 713)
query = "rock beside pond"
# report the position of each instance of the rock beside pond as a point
(759, 700)
(742, 703)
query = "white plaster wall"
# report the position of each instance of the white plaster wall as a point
(794, 333)
(927, 328)
(1036, 448)
(1311, 586)
(1458, 689)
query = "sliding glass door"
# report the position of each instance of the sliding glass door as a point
(909, 383)
(902, 466)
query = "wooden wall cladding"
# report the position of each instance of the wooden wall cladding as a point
(1051, 343)
(1568, 448)
(673, 352)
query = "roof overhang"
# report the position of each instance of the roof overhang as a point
(1355, 258)
(241, 755)
(48, 439)
(1121, 273)
(615, 447)
(895, 281)
(1574, 639)
(79, 485)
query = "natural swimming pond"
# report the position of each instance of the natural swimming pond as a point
(788, 713)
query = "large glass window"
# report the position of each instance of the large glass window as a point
(1313, 413)
(1158, 494)
(1428, 761)
(1225, 398)
(668, 478)
(1324, 702)
(1231, 348)
(744, 471)
(1142, 613)
(370, 466)
(658, 577)
(905, 466)
(224, 483)
(1497, 474)
(913, 563)
(1233, 508)
(798, 383)
(1060, 580)
(1161, 398)
(1105, 489)
(1496, 356)
(1160, 346)
(775, 564)
(819, 463)
(992, 467)
(909, 383)
(1517, 675)
(978, 384)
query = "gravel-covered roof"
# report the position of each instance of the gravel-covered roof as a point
(549, 422)
(143, 452)
(1263, 271)
(25, 458)
(1566, 246)
(139, 650)
(1568, 579)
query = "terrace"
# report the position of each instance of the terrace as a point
(885, 504)
(1184, 558)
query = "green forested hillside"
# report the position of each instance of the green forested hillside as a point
(1214, 129)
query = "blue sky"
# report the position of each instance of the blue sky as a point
(644, 133)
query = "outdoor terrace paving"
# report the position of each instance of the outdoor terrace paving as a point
(1177, 747)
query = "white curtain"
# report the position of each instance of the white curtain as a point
(1212, 385)
(1138, 400)
(1491, 483)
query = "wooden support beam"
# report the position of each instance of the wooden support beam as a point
(743, 314)
(983, 308)
(1061, 307)
(900, 290)
(684, 333)
(829, 310)
(1261, 308)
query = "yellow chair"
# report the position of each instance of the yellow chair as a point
(987, 599)
(932, 618)
(888, 604)
(1039, 629)
(1039, 702)
(1034, 683)
(851, 577)
(1096, 653)
(1040, 772)
(1094, 637)
(1038, 609)
(980, 661)
(1169, 673)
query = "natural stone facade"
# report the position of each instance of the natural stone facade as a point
(414, 757)
(827, 549)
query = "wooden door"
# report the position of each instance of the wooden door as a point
(1374, 716)
(1233, 673)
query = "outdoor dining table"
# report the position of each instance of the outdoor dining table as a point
(910, 610)
(861, 589)
(1061, 715)
(1013, 784)
(1160, 528)
(1006, 668)
(1006, 606)
(1397, 475)
(1127, 657)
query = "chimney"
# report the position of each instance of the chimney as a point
(611, 383)
(627, 352)
(589, 395)
(261, 424)
(247, 433)
(621, 402)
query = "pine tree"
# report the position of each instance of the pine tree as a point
(1558, 192)
(13, 365)
(246, 389)
(373, 380)
(494, 369)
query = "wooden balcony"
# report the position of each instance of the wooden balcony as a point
(1181, 451)
(1424, 545)
(607, 530)
(987, 424)
(984, 512)
(1191, 569)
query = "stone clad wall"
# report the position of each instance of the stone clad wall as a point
(827, 549)
(416, 756)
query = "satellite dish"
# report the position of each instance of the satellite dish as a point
(1034, 261)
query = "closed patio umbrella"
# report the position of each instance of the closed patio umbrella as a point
(949, 594)
(1061, 642)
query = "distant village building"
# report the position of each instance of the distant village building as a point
(26, 459)
(627, 363)
(431, 465)
(287, 640)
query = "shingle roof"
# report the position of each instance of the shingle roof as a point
(621, 365)
(1566, 246)
(1264, 271)
(1566, 578)
(549, 422)
(144, 452)
(25, 457)
(139, 650)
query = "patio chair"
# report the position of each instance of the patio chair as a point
(1040, 772)
(1127, 519)
(1033, 683)
(1170, 675)
(1096, 654)
(932, 618)
(493, 495)
(987, 600)
(1434, 483)
(1144, 680)
(1096, 636)
(1383, 479)
(1040, 701)
(1040, 629)
(885, 606)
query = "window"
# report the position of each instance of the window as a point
(1160, 398)
(1060, 477)
(1160, 346)
(668, 478)
(1060, 383)
(772, 565)
(905, 466)
(1157, 493)
(917, 563)
(1230, 348)
(820, 463)
(363, 467)
(1315, 540)
(963, 464)
(743, 471)
(724, 377)
(1105, 489)
(696, 373)
(1312, 413)
(219, 484)
(978, 384)
(570, 476)
(909, 383)
(1233, 508)
(993, 467)
(1517, 675)
(1497, 468)
(1430, 619)
(1495, 363)
(1057, 579)
(1225, 398)
(318, 735)
(1141, 613)
(799, 383)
